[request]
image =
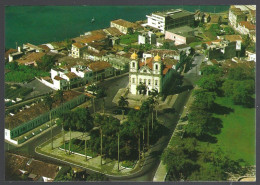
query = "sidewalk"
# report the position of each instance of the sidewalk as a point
(161, 171)
(137, 100)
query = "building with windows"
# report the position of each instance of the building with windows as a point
(147, 38)
(124, 26)
(150, 71)
(77, 50)
(36, 114)
(170, 19)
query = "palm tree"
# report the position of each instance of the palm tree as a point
(60, 97)
(99, 120)
(122, 102)
(48, 101)
(155, 95)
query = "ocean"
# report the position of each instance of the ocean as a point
(43, 24)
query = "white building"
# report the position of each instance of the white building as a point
(77, 50)
(147, 38)
(151, 72)
(170, 19)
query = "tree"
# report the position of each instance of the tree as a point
(204, 98)
(155, 95)
(47, 62)
(210, 82)
(141, 88)
(60, 97)
(101, 93)
(208, 70)
(198, 120)
(48, 101)
(84, 123)
(122, 102)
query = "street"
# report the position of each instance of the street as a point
(112, 86)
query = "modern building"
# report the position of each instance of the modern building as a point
(180, 35)
(151, 72)
(170, 19)
(147, 38)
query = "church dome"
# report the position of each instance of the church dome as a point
(157, 58)
(134, 56)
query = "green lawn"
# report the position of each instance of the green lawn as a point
(237, 136)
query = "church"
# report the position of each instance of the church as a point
(150, 71)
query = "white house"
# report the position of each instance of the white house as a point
(77, 50)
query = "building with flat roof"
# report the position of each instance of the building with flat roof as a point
(170, 19)
(180, 35)
(123, 26)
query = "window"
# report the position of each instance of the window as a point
(156, 66)
(133, 64)
(133, 80)
(156, 82)
(149, 82)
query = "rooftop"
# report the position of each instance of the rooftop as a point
(247, 25)
(124, 23)
(113, 31)
(34, 111)
(174, 13)
(232, 38)
(184, 30)
(78, 45)
(99, 65)
(11, 50)
(14, 163)
(71, 75)
(31, 57)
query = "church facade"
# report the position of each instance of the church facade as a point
(151, 72)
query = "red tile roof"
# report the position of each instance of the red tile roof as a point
(247, 25)
(10, 51)
(166, 69)
(99, 65)
(31, 57)
(71, 75)
(58, 78)
(78, 45)
(232, 38)
(124, 23)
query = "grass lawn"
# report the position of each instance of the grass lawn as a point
(78, 146)
(237, 137)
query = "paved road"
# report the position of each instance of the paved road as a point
(152, 161)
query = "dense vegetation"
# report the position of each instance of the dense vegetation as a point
(196, 155)
(22, 73)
